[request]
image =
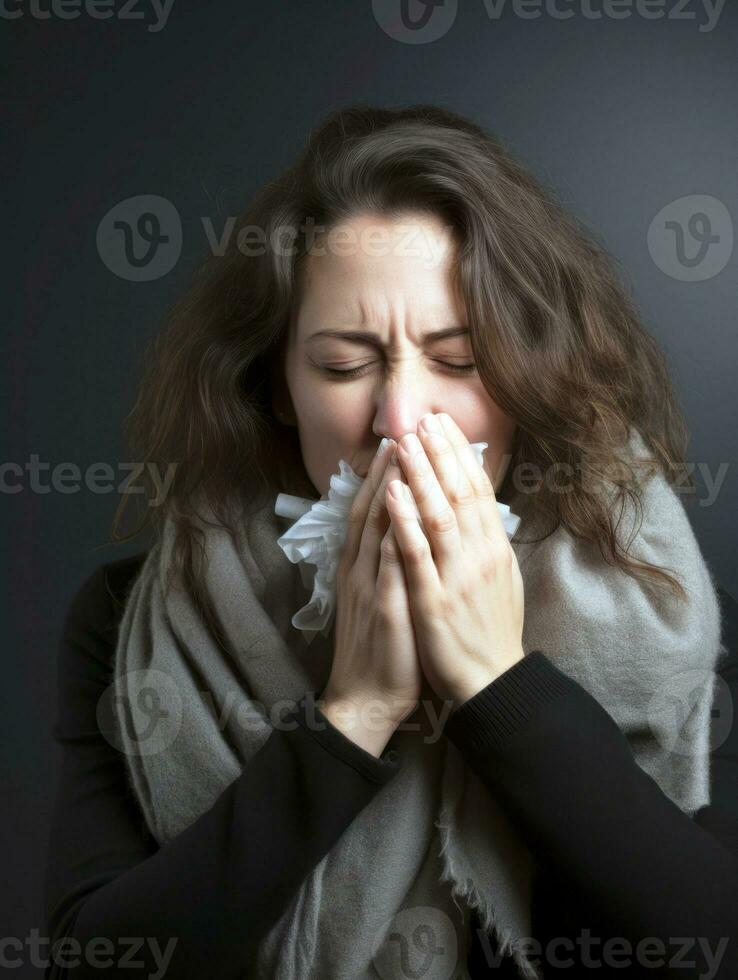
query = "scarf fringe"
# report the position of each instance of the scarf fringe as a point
(509, 945)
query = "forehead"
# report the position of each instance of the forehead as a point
(380, 273)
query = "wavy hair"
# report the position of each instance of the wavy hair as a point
(558, 343)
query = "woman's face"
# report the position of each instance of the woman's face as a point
(374, 292)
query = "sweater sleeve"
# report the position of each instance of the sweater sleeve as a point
(198, 905)
(604, 836)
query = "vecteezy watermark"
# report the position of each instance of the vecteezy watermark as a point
(151, 709)
(142, 712)
(425, 21)
(561, 477)
(691, 238)
(35, 476)
(373, 238)
(140, 239)
(528, 478)
(616, 952)
(674, 715)
(415, 21)
(99, 952)
(416, 942)
(95, 9)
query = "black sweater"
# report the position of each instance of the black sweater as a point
(626, 884)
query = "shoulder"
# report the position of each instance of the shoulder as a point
(94, 612)
(103, 592)
(661, 534)
(85, 653)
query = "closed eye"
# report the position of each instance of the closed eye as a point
(357, 372)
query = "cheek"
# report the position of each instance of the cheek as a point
(331, 426)
(321, 451)
(481, 420)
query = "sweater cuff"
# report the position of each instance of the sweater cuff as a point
(312, 719)
(508, 703)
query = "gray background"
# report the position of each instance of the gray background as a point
(618, 117)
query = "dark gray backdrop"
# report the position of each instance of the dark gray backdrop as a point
(620, 117)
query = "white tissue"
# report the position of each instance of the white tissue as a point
(317, 537)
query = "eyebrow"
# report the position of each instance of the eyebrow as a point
(361, 336)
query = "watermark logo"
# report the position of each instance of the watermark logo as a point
(415, 21)
(151, 706)
(675, 703)
(140, 239)
(419, 942)
(691, 239)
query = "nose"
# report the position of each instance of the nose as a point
(400, 407)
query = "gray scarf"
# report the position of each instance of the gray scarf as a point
(392, 899)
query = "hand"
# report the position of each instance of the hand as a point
(375, 660)
(465, 587)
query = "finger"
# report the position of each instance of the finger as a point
(477, 476)
(417, 559)
(391, 576)
(440, 519)
(452, 475)
(362, 501)
(376, 524)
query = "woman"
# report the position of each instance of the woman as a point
(429, 294)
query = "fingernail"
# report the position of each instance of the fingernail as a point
(382, 446)
(430, 423)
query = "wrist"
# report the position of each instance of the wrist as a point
(471, 686)
(368, 724)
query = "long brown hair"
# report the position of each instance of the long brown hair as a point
(557, 341)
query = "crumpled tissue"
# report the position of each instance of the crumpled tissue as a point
(317, 537)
